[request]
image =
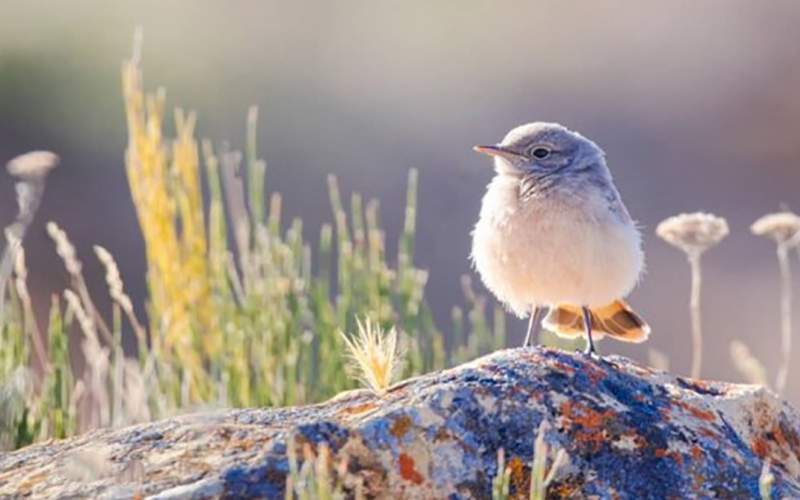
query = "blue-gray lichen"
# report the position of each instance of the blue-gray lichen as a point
(630, 432)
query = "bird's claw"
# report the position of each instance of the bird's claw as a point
(591, 353)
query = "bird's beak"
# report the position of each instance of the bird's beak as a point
(497, 150)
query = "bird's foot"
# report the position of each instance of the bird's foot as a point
(590, 352)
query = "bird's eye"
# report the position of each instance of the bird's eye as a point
(540, 153)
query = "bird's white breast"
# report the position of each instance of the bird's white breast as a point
(554, 249)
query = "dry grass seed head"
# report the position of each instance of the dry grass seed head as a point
(113, 279)
(64, 248)
(374, 354)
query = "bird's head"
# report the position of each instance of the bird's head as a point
(543, 149)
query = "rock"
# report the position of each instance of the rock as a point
(628, 431)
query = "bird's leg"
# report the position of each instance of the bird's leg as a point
(534, 325)
(587, 325)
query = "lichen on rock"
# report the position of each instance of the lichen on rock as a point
(629, 432)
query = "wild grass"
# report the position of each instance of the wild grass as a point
(546, 465)
(317, 477)
(765, 481)
(242, 309)
(375, 358)
(501, 483)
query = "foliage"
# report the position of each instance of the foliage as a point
(242, 310)
(541, 476)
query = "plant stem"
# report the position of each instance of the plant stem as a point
(694, 309)
(786, 316)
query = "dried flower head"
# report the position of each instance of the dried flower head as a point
(32, 166)
(780, 226)
(375, 355)
(693, 233)
(784, 229)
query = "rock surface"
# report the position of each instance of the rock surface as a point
(629, 432)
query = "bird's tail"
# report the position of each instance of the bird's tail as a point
(617, 320)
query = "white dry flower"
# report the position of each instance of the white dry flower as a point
(30, 170)
(784, 229)
(780, 226)
(693, 233)
(32, 166)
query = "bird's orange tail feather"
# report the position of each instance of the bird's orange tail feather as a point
(617, 320)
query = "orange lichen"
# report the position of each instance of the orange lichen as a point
(441, 434)
(708, 433)
(777, 433)
(665, 453)
(706, 415)
(243, 444)
(400, 426)
(356, 409)
(562, 367)
(519, 478)
(595, 374)
(585, 416)
(408, 471)
(564, 490)
(760, 447)
(702, 414)
(26, 487)
(697, 452)
(591, 423)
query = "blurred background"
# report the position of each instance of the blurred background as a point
(695, 104)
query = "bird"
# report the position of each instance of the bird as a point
(554, 241)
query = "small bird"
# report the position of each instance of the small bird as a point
(555, 239)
